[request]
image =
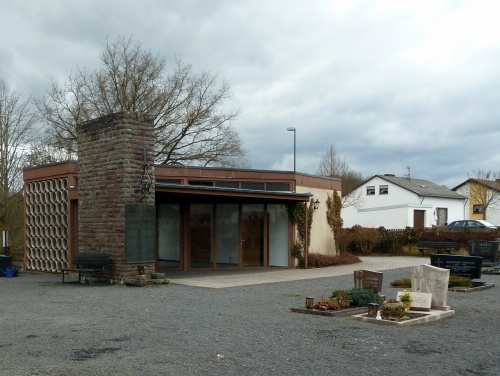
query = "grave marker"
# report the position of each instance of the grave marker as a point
(433, 280)
(420, 301)
(367, 279)
(464, 266)
(488, 250)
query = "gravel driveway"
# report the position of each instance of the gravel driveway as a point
(51, 329)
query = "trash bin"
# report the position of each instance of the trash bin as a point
(10, 272)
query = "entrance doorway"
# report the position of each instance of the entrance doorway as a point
(252, 235)
(418, 218)
(218, 235)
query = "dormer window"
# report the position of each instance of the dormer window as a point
(383, 189)
(370, 190)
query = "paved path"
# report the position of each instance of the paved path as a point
(223, 279)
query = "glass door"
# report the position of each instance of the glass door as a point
(278, 235)
(200, 236)
(252, 235)
(227, 235)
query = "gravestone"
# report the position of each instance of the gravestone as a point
(488, 250)
(433, 280)
(464, 266)
(367, 279)
(420, 301)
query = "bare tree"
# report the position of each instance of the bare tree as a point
(17, 131)
(484, 191)
(334, 166)
(190, 123)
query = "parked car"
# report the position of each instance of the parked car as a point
(471, 223)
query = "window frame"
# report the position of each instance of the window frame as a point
(383, 189)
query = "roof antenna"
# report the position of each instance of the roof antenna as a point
(407, 175)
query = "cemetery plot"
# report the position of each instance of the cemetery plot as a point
(464, 266)
(488, 250)
(367, 279)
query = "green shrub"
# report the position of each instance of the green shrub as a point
(403, 282)
(457, 281)
(317, 260)
(397, 311)
(359, 297)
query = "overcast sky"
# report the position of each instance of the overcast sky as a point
(389, 84)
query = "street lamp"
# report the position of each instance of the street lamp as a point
(292, 129)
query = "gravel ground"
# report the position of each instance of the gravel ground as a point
(51, 329)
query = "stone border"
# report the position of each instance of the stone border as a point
(340, 312)
(431, 316)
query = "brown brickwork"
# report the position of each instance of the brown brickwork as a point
(110, 166)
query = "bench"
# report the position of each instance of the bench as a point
(89, 263)
(437, 246)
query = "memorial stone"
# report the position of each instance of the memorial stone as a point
(488, 250)
(420, 301)
(464, 266)
(367, 279)
(433, 280)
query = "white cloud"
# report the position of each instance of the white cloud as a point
(389, 83)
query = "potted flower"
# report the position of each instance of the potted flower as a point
(406, 299)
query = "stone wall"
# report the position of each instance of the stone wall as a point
(110, 166)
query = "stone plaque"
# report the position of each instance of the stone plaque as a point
(367, 279)
(429, 279)
(420, 301)
(488, 250)
(464, 266)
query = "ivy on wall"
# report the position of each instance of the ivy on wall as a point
(333, 213)
(297, 215)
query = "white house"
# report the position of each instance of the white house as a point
(482, 194)
(399, 202)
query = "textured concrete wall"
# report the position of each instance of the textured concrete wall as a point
(110, 166)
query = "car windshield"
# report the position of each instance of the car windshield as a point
(486, 223)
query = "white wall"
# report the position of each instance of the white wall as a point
(395, 210)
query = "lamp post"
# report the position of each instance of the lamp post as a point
(292, 129)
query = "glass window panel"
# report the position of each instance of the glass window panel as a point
(254, 186)
(202, 183)
(200, 234)
(227, 184)
(227, 235)
(169, 235)
(282, 187)
(278, 235)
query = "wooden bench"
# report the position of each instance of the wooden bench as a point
(437, 246)
(89, 263)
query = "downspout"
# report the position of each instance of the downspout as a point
(306, 248)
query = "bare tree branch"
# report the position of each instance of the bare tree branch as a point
(333, 166)
(189, 123)
(484, 190)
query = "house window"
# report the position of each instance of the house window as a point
(383, 189)
(370, 190)
(478, 209)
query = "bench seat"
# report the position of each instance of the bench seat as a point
(89, 263)
(437, 246)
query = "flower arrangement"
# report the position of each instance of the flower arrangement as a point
(405, 297)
